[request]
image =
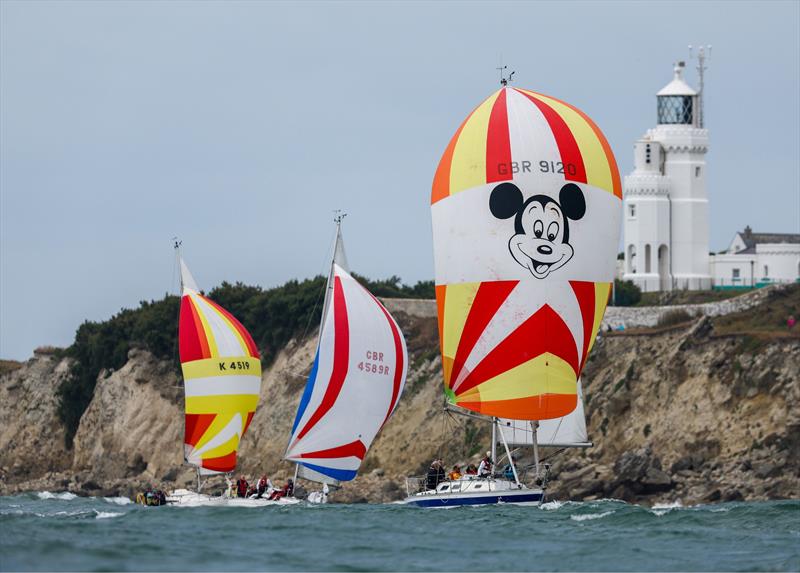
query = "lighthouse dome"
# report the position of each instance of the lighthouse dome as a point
(676, 100)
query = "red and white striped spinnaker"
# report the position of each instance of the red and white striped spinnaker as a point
(355, 383)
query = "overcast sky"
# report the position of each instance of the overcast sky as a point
(241, 126)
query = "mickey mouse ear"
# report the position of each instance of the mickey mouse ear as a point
(572, 202)
(505, 200)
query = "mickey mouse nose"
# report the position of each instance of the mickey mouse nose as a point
(545, 250)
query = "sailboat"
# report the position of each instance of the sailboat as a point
(355, 383)
(526, 206)
(222, 384)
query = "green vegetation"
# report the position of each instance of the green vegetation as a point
(681, 297)
(272, 317)
(673, 317)
(768, 319)
(105, 345)
(625, 293)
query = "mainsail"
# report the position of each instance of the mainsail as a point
(526, 211)
(222, 379)
(566, 432)
(355, 382)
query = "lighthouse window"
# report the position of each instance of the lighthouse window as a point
(632, 211)
(735, 275)
(766, 271)
(697, 172)
(674, 109)
(647, 154)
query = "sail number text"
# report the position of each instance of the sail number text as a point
(234, 365)
(544, 167)
(373, 363)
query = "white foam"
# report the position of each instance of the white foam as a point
(552, 505)
(106, 514)
(118, 500)
(660, 509)
(590, 516)
(65, 495)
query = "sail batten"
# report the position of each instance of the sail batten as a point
(222, 379)
(526, 209)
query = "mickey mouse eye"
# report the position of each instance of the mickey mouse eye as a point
(552, 231)
(538, 229)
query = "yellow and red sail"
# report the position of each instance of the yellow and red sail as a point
(526, 205)
(222, 379)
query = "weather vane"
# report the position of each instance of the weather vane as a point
(338, 215)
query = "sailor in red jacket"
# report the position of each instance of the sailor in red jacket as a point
(241, 487)
(285, 491)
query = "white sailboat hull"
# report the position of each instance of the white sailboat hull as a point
(476, 491)
(187, 498)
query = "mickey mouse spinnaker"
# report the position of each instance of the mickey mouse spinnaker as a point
(526, 209)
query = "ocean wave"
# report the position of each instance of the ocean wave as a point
(106, 514)
(660, 509)
(556, 504)
(589, 516)
(65, 495)
(118, 500)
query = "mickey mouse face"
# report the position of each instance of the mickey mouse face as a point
(541, 243)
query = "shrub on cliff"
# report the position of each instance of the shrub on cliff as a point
(626, 293)
(105, 345)
(272, 317)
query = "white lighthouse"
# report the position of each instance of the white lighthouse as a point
(666, 208)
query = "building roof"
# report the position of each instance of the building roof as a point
(752, 239)
(677, 87)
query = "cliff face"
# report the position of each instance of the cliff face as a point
(31, 437)
(694, 412)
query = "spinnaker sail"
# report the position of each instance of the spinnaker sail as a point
(222, 379)
(355, 383)
(566, 432)
(526, 208)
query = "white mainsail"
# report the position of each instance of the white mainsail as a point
(566, 432)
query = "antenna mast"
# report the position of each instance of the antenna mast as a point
(504, 81)
(703, 52)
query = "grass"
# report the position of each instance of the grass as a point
(680, 297)
(7, 366)
(767, 320)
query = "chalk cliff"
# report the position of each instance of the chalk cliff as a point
(700, 411)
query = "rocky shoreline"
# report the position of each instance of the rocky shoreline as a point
(698, 412)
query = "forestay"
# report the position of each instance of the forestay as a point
(222, 379)
(526, 211)
(565, 432)
(354, 385)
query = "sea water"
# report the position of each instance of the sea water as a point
(60, 531)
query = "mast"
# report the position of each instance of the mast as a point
(337, 257)
(494, 440)
(703, 52)
(535, 426)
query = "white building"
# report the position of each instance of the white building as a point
(755, 259)
(666, 209)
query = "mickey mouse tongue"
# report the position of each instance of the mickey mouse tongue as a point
(541, 269)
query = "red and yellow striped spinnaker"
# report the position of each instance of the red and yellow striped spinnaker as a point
(526, 208)
(222, 380)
